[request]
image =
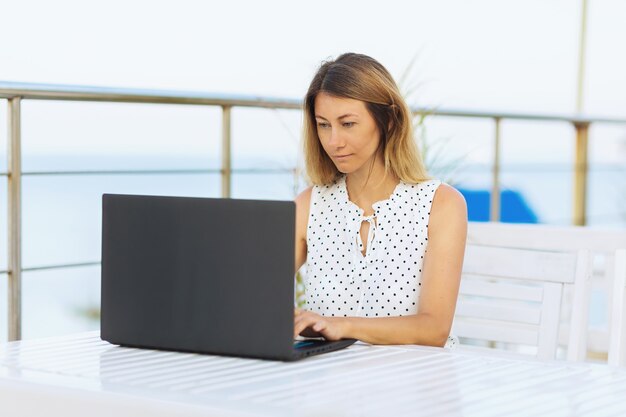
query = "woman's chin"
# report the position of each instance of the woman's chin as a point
(344, 168)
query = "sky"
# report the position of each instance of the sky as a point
(478, 54)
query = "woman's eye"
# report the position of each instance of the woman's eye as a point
(322, 125)
(348, 124)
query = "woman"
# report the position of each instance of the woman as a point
(383, 243)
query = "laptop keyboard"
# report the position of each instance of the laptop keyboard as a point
(305, 344)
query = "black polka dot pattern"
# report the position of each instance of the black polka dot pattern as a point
(386, 281)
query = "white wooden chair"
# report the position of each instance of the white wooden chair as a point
(617, 319)
(602, 245)
(513, 296)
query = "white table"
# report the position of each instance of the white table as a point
(81, 375)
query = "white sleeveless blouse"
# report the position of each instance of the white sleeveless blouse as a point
(339, 280)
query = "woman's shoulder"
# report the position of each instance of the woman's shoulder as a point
(322, 191)
(303, 201)
(431, 183)
(304, 198)
(437, 188)
(316, 194)
(448, 217)
(448, 201)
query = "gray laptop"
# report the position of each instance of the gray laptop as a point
(201, 275)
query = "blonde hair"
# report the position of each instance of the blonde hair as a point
(360, 77)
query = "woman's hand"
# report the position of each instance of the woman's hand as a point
(310, 324)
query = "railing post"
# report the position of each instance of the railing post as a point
(226, 152)
(580, 173)
(494, 210)
(15, 219)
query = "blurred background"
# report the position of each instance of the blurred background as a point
(527, 59)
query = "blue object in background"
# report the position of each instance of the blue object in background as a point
(513, 207)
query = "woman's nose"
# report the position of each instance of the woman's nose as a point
(336, 138)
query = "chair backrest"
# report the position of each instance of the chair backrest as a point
(617, 318)
(513, 296)
(602, 244)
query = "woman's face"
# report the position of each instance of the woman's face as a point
(347, 131)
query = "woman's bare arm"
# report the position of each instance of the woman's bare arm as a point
(303, 200)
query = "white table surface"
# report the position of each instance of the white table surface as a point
(80, 375)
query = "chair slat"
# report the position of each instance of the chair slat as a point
(531, 265)
(474, 285)
(577, 343)
(514, 314)
(496, 331)
(546, 237)
(548, 328)
(617, 338)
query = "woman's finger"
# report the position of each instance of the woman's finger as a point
(308, 321)
(302, 316)
(302, 324)
(319, 327)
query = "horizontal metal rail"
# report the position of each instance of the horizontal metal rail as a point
(57, 266)
(128, 95)
(124, 172)
(61, 266)
(536, 168)
(33, 91)
(158, 172)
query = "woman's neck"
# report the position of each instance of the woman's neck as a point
(370, 184)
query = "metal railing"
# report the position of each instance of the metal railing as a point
(15, 93)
